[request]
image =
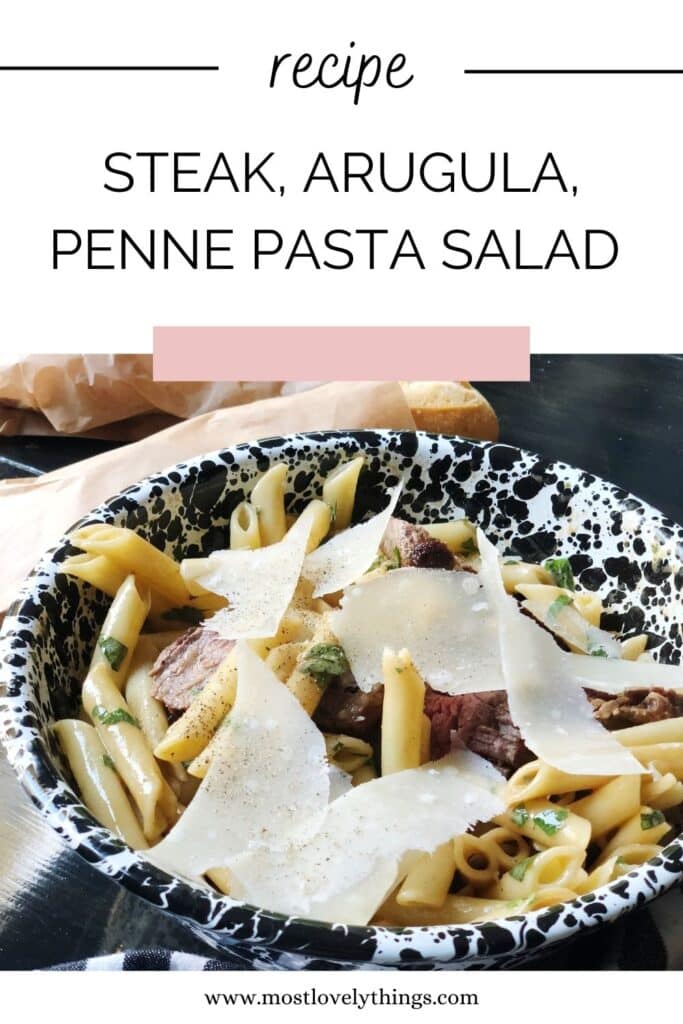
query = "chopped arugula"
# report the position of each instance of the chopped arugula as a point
(192, 616)
(469, 548)
(378, 561)
(113, 650)
(107, 762)
(520, 816)
(598, 652)
(651, 819)
(561, 572)
(560, 602)
(115, 717)
(551, 820)
(520, 869)
(323, 662)
(395, 560)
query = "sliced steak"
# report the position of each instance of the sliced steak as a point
(184, 667)
(635, 707)
(479, 721)
(416, 547)
(347, 709)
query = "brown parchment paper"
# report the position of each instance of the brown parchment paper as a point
(35, 512)
(108, 396)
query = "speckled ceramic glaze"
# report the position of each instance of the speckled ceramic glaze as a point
(533, 508)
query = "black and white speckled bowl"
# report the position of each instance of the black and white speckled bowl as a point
(619, 546)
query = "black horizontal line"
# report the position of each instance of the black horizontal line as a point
(109, 67)
(574, 71)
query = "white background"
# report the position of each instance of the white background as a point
(618, 139)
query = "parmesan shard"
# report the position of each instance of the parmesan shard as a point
(546, 700)
(443, 617)
(259, 585)
(348, 554)
(268, 783)
(569, 625)
(613, 675)
(345, 871)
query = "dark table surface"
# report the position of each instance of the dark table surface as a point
(620, 417)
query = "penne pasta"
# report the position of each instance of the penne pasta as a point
(558, 866)
(610, 805)
(404, 693)
(428, 881)
(339, 491)
(347, 752)
(97, 780)
(547, 824)
(134, 554)
(366, 773)
(268, 498)
(459, 536)
(98, 570)
(319, 513)
(662, 793)
(125, 743)
(188, 736)
(475, 860)
(121, 629)
(537, 779)
(645, 827)
(244, 528)
(504, 846)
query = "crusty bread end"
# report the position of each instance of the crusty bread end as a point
(451, 407)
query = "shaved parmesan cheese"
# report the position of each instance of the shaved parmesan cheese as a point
(566, 621)
(268, 783)
(614, 676)
(340, 781)
(547, 703)
(345, 557)
(346, 870)
(442, 617)
(259, 584)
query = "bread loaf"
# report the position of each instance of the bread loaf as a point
(451, 407)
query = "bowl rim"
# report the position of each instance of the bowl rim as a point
(301, 934)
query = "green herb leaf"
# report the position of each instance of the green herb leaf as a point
(560, 602)
(115, 717)
(469, 548)
(378, 561)
(395, 560)
(598, 652)
(520, 869)
(333, 512)
(551, 820)
(107, 762)
(520, 816)
(561, 572)
(511, 561)
(324, 662)
(113, 650)
(651, 819)
(192, 616)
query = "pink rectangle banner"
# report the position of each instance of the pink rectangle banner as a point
(341, 353)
